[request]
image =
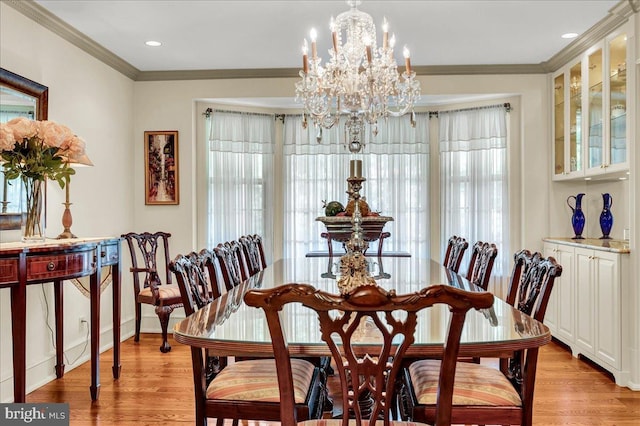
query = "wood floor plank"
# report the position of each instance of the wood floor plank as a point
(157, 389)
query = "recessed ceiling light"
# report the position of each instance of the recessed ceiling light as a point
(153, 43)
(570, 35)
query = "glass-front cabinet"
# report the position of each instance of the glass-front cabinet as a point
(595, 125)
(567, 122)
(617, 76)
(558, 123)
(590, 97)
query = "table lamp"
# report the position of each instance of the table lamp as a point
(67, 219)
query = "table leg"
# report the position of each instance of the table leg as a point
(115, 276)
(58, 299)
(94, 290)
(19, 334)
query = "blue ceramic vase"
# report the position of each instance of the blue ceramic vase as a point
(577, 218)
(606, 218)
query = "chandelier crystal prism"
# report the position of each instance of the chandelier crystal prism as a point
(360, 80)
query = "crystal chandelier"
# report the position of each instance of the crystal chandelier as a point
(360, 80)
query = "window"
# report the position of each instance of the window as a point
(240, 173)
(473, 178)
(395, 164)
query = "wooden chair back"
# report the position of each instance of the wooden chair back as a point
(194, 279)
(531, 283)
(229, 255)
(483, 255)
(143, 248)
(456, 246)
(385, 319)
(253, 253)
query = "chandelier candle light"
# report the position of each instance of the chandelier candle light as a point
(360, 80)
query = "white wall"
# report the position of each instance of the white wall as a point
(96, 102)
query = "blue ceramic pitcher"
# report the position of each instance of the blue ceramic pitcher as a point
(606, 218)
(577, 219)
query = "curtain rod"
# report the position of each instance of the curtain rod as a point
(207, 113)
(506, 106)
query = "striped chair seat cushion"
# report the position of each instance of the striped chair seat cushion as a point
(169, 294)
(475, 384)
(352, 422)
(257, 380)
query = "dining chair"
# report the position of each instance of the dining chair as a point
(456, 246)
(196, 274)
(367, 330)
(246, 389)
(483, 255)
(164, 296)
(253, 253)
(229, 255)
(483, 394)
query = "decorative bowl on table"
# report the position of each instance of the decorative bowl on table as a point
(339, 228)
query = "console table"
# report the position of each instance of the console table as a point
(22, 264)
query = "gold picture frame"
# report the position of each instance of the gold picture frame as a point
(161, 177)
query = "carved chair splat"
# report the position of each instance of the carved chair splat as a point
(229, 255)
(456, 246)
(483, 256)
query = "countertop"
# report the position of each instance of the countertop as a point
(614, 246)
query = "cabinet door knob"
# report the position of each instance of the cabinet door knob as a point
(51, 266)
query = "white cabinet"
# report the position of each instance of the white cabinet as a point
(560, 315)
(585, 299)
(590, 100)
(608, 308)
(589, 302)
(599, 306)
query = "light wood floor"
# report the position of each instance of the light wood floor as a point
(157, 389)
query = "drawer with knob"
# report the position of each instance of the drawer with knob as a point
(62, 265)
(110, 252)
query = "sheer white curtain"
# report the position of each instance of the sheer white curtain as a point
(395, 164)
(473, 176)
(240, 173)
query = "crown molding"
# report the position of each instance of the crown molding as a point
(218, 74)
(617, 16)
(295, 72)
(479, 69)
(43, 17)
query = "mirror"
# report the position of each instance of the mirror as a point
(19, 97)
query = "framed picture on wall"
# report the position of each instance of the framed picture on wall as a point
(161, 178)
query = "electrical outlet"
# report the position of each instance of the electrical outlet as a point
(83, 323)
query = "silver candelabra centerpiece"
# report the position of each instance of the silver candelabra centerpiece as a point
(354, 271)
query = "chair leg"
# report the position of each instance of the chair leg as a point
(138, 319)
(163, 313)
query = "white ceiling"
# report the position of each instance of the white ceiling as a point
(243, 34)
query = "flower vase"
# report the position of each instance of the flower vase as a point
(33, 224)
(606, 218)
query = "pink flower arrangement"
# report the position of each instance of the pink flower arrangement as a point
(40, 150)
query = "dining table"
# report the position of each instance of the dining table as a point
(228, 327)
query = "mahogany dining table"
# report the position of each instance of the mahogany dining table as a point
(228, 327)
